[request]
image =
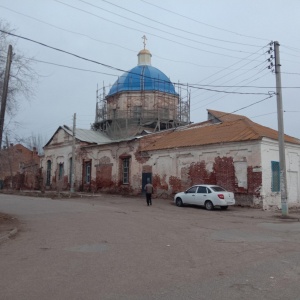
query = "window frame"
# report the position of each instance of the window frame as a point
(125, 170)
(275, 178)
(60, 171)
(48, 172)
(88, 172)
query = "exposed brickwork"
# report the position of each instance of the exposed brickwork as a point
(141, 157)
(198, 174)
(254, 181)
(147, 169)
(124, 189)
(19, 165)
(104, 176)
(175, 184)
(224, 172)
(160, 183)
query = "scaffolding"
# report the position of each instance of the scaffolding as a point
(130, 113)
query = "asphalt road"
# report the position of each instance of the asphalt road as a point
(112, 247)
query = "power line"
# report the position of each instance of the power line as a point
(247, 86)
(289, 54)
(89, 60)
(173, 27)
(68, 67)
(205, 105)
(159, 29)
(246, 58)
(270, 93)
(254, 103)
(145, 32)
(99, 41)
(226, 75)
(215, 27)
(104, 42)
(289, 73)
(272, 113)
(291, 48)
(227, 92)
(67, 30)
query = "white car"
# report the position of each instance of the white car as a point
(205, 195)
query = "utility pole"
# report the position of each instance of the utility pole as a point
(9, 162)
(283, 181)
(5, 91)
(73, 155)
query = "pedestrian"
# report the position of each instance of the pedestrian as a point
(149, 192)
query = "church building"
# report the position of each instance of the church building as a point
(142, 99)
(142, 130)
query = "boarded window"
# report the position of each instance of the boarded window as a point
(275, 176)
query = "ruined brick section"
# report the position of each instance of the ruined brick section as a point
(19, 167)
(160, 183)
(251, 196)
(141, 157)
(199, 175)
(225, 173)
(185, 179)
(123, 189)
(104, 177)
(147, 169)
(175, 184)
(254, 182)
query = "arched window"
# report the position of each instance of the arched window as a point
(60, 171)
(70, 169)
(48, 179)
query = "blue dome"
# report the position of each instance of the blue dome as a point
(143, 78)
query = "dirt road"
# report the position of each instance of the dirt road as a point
(111, 247)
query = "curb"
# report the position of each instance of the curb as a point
(8, 235)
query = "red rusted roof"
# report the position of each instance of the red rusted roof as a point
(234, 128)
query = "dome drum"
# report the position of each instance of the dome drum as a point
(141, 99)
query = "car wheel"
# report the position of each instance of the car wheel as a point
(224, 207)
(209, 205)
(179, 202)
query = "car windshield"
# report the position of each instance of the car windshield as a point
(217, 189)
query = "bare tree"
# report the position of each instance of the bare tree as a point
(22, 75)
(37, 142)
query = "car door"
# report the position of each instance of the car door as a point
(201, 195)
(190, 195)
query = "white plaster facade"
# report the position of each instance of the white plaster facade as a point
(59, 151)
(243, 167)
(269, 153)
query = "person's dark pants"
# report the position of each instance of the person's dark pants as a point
(148, 198)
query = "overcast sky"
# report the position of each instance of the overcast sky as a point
(213, 46)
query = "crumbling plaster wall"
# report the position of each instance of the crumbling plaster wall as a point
(234, 166)
(126, 101)
(107, 167)
(60, 151)
(270, 152)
